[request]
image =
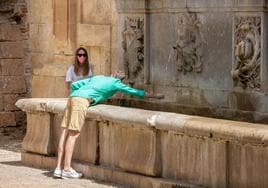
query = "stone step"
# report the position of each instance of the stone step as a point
(107, 174)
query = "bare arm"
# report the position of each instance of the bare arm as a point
(68, 85)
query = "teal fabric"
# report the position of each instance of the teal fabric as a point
(100, 88)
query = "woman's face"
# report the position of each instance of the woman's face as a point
(81, 56)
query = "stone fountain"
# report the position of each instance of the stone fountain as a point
(207, 57)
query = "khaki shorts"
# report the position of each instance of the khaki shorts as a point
(75, 113)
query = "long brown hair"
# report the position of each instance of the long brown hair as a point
(84, 66)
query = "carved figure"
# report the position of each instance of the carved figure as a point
(133, 45)
(188, 51)
(247, 52)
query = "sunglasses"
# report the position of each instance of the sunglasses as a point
(80, 55)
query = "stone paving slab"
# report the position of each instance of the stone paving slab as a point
(14, 174)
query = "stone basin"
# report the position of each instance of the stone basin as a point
(143, 148)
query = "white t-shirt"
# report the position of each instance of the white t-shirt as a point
(72, 77)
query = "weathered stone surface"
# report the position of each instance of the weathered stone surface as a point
(39, 61)
(11, 50)
(100, 58)
(20, 118)
(94, 35)
(54, 70)
(86, 145)
(38, 135)
(102, 173)
(251, 3)
(130, 5)
(248, 165)
(10, 33)
(61, 20)
(1, 103)
(209, 3)
(175, 4)
(12, 67)
(96, 12)
(41, 39)
(7, 119)
(9, 102)
(13, 85)
(13, 57)
(38, 161)
(46, 86)
(132, 149)
(196, 160)
(41, 11)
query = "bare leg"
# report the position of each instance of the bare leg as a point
(69, 147)
(62, 143)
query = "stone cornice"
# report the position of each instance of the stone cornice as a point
(143, 6)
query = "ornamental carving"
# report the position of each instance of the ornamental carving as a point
(133, 45)
(12, 12)
(188, 50)
(247, 52)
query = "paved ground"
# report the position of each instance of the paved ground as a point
(13, 174)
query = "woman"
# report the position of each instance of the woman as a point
(81, 69)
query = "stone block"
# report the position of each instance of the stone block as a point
(94, 35)
(251, 3)
(1, 103)
(12, 85)
(38, 134)
(86, 144)
(7, 119)
(9, 102)
(247, 165)
(174, 4)
(100, 58)
(61, 20)
(123, 178)
(20, 117)
(11, 50)
(209, 3)
(38, 161)
(63, 61)
(156, 4)
(41, 11)
(96, 12)
(12, 67)
(49, 86)
(10, 33)
(86, 147)
(40, 61)
(194, 160)
(41, 40)
(202, 98)
(55, 70)
(132, 149)
(123, 5)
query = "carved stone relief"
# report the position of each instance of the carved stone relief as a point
(12, 11)
(133, 45)
(247, 52)
(188, 50)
